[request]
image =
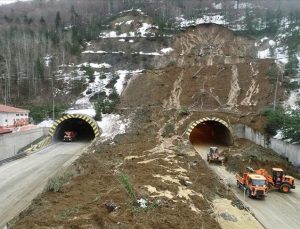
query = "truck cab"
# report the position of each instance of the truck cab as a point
(69, 136)
(254, 185)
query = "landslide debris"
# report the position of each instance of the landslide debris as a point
(211, 69)
(155, 170)
(245, 153)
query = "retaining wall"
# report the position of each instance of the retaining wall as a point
(10, 144)
(287, 150)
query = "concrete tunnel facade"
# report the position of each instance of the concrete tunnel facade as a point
(210, 131)
(86, 127)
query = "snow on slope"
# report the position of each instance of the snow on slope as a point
(112, 125)
(216, 19)
(46, 123)
(6, 2)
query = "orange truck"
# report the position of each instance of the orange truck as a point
(254, 185)
(69, 136)
(278, 180)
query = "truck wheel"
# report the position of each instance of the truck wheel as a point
(285, 188)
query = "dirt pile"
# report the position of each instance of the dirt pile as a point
(166, 172)
(245, 153)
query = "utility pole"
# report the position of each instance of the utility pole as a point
(274, 105)
(53, 105)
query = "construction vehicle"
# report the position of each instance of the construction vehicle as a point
(254, 185)
(214, 156)
(69, 136)
(277, 181)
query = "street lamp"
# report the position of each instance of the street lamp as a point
(53, 105)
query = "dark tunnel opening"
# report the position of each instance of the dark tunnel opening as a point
(84, 131)
(211, 133)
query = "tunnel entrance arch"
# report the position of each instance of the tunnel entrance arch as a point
(85, 126)
(210, 131)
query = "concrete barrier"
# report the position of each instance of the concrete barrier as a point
(10, 144)
(282, 148)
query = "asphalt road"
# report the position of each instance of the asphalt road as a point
(277, 210)
(22, 180)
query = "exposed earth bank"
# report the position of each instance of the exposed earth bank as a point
(212, 72)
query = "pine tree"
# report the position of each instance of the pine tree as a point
(57, 20)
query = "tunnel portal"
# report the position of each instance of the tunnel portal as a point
(85, 127)
(210, 132)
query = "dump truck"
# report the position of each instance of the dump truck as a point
(69, 136)
(278, 180)
(213, 155)
(254, 185)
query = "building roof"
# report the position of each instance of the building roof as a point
(9, 109)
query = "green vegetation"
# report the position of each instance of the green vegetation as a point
(40, 112)
(56, 183)
(129, 188)
(68, 212)
(275, 120)
(108, 105)
(286, 121)
(169, 130)
(184, 111)
(89, 71)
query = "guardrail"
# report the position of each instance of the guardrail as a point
(17, 156)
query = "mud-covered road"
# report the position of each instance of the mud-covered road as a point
(22, 180)
(277, 210)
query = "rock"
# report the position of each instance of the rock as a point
(185, 182)
(228, 217)
(111, 206)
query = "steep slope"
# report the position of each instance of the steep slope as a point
(209, 69)
(212, 69)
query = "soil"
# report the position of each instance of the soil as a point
(247, 154)
(169, 174)
(213, 73)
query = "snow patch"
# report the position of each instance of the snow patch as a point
(48, 59)
(242, 5)
(216, 19)
(122, 78)
(167, 50)
(82, 106)
(129, 22)
(112, 125)
(94, 65)
(291, 102)
(217, 6)
(263, 54)
(46, 123)
(6, 2)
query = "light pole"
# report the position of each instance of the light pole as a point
(275, 92)
(53, 105)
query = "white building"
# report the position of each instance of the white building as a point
(12, 117)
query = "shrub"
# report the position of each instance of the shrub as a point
(275, 121)
(169, 130)
(184, 111)
(56, 183)
(129, 188)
